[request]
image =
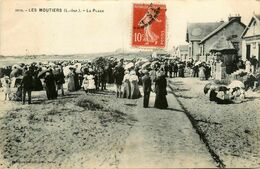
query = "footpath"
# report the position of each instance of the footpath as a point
(164, 139)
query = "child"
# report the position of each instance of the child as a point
(91, 83)
(6, 82)
(85, 83)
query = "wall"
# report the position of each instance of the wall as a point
(196, 49)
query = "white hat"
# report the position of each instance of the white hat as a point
(132, 72)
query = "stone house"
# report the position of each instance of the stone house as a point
(201, 36)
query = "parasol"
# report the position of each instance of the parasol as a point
(16, 72)
(144, 71)
(52, 64)
(16, 66)
(45, 62)
(197, 63)
(236, 83)
(145, 60)
(42, 73)
(129, 65)
(139, 63)
(145, 65)
(222, 88)
(209, 86)
(206, 88)
(154, 62)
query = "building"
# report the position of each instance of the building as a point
(201, 36)
(195, 33)
(232, 30)
(182, 52)
(251, 39)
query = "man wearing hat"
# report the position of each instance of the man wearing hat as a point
(60, 80)
(254, 64)
(27, 86)
(118, 77)
(146, 87)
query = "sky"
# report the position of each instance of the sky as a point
(34, 33)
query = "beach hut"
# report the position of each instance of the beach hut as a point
(227, 53)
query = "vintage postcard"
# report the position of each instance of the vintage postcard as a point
(129, 84)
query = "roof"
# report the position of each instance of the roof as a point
(258, 17)
(255, 17)
(222, 44)
(225, 24)
(197, 31)
(183, 47)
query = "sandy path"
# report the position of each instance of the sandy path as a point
(4, 105)
(231, 131)
(163, 139)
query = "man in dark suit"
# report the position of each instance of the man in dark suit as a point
(27, 86)
(119, 73)
(60, 80)
(147, 88)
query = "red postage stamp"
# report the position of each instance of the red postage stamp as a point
(149, 24)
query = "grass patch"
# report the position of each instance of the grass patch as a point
(88, 104)
(53, 112)
(53, 131)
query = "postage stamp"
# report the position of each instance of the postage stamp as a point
(149, 24)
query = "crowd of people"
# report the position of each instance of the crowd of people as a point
(91, 76)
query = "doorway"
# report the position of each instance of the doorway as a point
(248, 52)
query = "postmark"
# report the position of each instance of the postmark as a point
(149, 25)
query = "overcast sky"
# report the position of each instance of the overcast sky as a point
(28, 33)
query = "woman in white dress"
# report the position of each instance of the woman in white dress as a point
(85, 83)
(6, 82)
(71, 82)
(91, 82)
(135, 92)
(127, 86)
(248, 66)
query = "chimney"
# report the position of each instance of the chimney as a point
(237, 17)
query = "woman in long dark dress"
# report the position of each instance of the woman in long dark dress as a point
(76, 80)
(181, 70)
(160, 91)
(37, 81)
(50, 86)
